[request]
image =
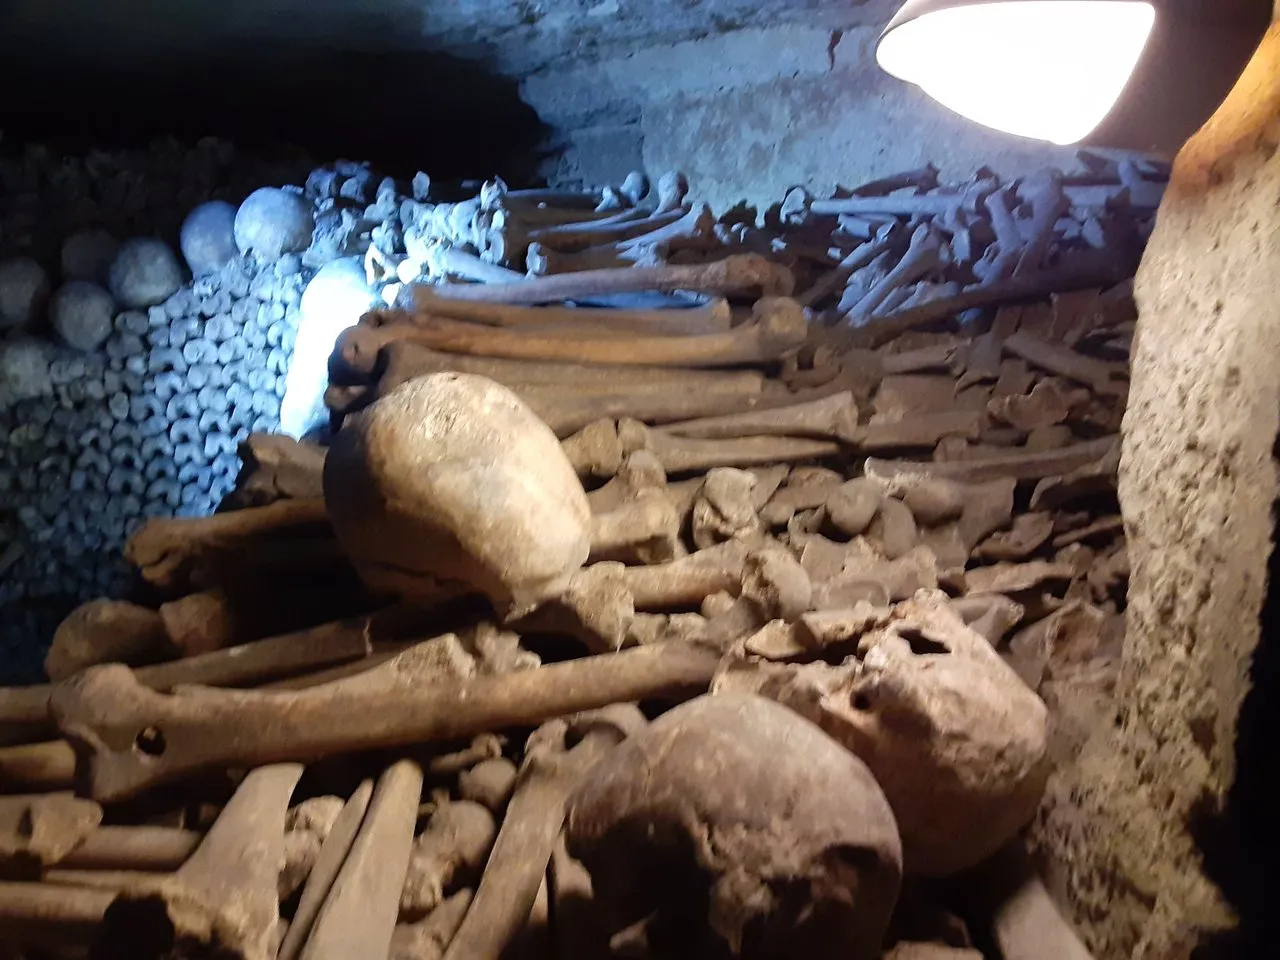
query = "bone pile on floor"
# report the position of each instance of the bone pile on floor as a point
(730, 628)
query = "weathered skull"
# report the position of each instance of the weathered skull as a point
(732, 827)
(451, 485)
(954, 737)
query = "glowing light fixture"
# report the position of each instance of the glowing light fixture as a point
(1047, 69)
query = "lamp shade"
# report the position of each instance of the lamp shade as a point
(1139, 74)
(1047, 69)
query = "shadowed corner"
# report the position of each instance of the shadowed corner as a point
(402, 111)
(1239, 842)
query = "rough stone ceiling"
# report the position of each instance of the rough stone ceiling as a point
(515, 37)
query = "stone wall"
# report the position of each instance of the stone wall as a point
(748, 113)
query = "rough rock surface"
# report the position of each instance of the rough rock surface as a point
(1197, 484)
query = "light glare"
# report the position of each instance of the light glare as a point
(1048, 69)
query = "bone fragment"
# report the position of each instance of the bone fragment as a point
(920, 430)
(646, 530)
(107, 709)
(1015, 577)
(278, 467)
(806, 487)
(489, 783)
(429, 939)
(737, 273)
(686, 454)
(923, 257)
(832, 418)
(485, 747)
(1029, 466)
(1029, 532)
(928, 205)
(224, 896)
(104, 631)
(1098, 375)
(551, 771)
(359, 913)
(51, 914)
(38, 767)
(686, 582)
(143, 849)
(450, 853)
(712, 317)
(38, 830)
(163, 547)
(1025, 922)
(324, 872)
(578, 236)
(779, 327)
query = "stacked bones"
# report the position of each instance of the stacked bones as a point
(121, 404)
(902, 530)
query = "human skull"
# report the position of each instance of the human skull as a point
(451, 485)
(954, 737)
(732, 827)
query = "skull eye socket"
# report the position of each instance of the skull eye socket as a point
(921, 643)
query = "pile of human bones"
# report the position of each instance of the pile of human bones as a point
(722, 613)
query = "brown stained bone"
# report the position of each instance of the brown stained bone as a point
(805, 488)
(164, 547)
(277, 467)
(1030, 531)
(324, 872)
(489, 783)
(1015, 466)
(359, 913)
(928, 205)
(199, 622)
(992, 615)
(106, 709)
(832, 418)
(859, 258)
(38, 830)
(104, 631)
(224, 897)
(405, 360)
(37, 767)
(1016, 577)
(541, 261)
(449, 854)
(551, 771)
(779, 327)
(51, 915)
(693, 230)
(712, 317)
(735, 274)
(646, 530)
(1078, 482)
(725, 508)
(566, 413)
(144, 849)
(306, 827)
(429, 939)
(687, 455)
(685, 583)
(1098, 375)
(1045, 406)
(919, 430)
(637, 471)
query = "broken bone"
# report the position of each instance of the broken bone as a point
(107, 711)
(39, 830)
(224, 896)
(449, 854)
(553, 767)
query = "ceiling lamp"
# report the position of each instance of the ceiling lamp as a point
(1068, 71)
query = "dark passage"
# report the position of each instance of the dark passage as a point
(403, 111)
